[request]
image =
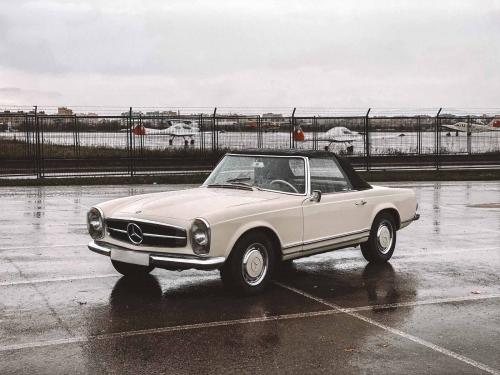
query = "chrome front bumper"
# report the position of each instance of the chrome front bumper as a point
(163, 260)
(408, 222)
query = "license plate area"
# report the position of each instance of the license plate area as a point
(133, 257)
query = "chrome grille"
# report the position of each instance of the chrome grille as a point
(154, 234)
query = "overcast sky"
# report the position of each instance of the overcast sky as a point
(250, 53)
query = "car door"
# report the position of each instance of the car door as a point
(342, 214)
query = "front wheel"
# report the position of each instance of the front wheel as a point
(131, 270)
(382, 241)
(250, 265)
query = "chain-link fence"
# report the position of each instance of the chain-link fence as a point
(43, 145)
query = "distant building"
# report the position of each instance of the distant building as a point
(92, 119)
(63, 111)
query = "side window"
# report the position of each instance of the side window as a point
(327, 176)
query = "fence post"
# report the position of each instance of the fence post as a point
(367, 139)
(130, 135)
(27, 149)
(202, 138)
(141, 153)
(74, 136)
(419, 136)
(38, 148)
(292, 130)
(469, 133)
(315, 133)
(259, 132)
(215, 136)
(437, 140)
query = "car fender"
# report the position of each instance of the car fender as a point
(384, 206)
(247, 226)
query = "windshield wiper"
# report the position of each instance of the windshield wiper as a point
(231, 186)
(239, 179)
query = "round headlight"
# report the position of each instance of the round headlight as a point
(95, 223)
(200, 237)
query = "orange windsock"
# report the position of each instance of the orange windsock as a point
(298, 135)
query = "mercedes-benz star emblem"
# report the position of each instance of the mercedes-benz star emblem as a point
(134, 233)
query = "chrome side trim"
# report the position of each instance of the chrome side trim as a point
(296, 244)
(325, 249)
(322, 239)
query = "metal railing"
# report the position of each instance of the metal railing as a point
(134, 143)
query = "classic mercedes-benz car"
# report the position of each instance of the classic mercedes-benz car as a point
(255, 210)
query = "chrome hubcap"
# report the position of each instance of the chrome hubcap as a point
(384, 237)
(255, 263)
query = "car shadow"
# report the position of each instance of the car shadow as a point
(370, 285)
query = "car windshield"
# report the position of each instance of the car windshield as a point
(283, 174)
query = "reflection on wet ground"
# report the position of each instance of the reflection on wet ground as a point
(432, 309)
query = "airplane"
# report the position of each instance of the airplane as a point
(185, 129)
(493, 125)
(339, 134)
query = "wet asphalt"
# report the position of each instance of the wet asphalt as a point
(433, 309)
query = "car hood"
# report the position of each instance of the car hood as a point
(186, 204)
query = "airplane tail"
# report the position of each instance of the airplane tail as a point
(495, 124)
(139, 130)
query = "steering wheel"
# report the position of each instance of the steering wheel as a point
(285, 183)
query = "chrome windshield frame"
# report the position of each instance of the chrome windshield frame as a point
(307, 180)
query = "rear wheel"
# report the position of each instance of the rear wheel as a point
(250, 265)
(382, 241)
(131, 270)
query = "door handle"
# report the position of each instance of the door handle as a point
(360, 203)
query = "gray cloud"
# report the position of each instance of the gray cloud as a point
(366, 48)
(17, 95)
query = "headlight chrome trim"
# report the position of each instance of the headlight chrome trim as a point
(201, 250)
(97, 235)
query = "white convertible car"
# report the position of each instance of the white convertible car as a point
(256, 209)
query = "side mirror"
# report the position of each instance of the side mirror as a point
(315, 196)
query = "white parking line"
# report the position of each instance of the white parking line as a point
(184, 327)
(54, 279)
(223, 323)
(436, 301)
(395, 331)
(39, 247)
